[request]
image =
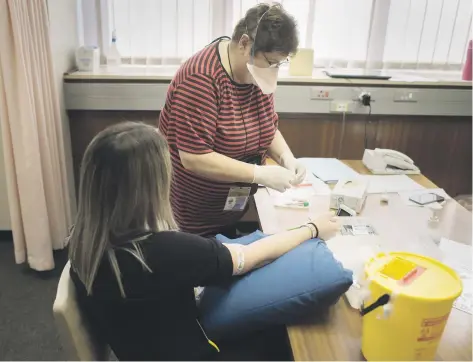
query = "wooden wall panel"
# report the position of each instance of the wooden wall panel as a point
(320, 135)
(440, 146)
(84, 125)
(460, 161)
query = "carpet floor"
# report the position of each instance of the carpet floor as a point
(27, 329)
(28, 332)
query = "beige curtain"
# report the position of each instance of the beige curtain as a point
(37, 182)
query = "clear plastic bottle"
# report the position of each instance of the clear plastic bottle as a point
(114, 59)
(433, 226)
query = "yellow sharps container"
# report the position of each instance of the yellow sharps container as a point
(410, 299)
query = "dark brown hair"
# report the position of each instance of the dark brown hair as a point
(277, 30)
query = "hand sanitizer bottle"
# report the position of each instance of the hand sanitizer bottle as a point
(113, 57)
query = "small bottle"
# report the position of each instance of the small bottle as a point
(433, 225)
(114, 59)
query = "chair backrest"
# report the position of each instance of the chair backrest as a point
(74, 331)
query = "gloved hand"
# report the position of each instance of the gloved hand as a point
(287, 160)
(275, 177)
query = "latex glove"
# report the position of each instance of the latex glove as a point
(274, 177)
(287, 160)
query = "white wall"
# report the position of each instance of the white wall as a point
(64, 38)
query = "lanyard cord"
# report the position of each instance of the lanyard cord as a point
(241, 110)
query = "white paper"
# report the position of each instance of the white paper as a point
(328, 169)
(318, 186)
(405, 195)
(293, 198)
(458, 257)
(310, 186)
(459, 252)
(378, 184)
(353, 252)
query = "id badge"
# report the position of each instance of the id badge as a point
(237, 198)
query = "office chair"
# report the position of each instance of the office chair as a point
(74, 331)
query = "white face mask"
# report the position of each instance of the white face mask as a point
(265, 78)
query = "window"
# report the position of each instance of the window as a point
(341, 32)
(427, 33)
(166, 30)
(411, 34)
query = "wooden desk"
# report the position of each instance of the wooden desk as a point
(337, 336)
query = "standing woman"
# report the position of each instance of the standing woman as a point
(220, 123)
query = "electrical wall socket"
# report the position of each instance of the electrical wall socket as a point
(320, 93)
(341, 106)
(405, 95)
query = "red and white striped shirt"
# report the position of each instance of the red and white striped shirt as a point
(206, 111)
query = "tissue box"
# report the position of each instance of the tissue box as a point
(350, 192)
(88, 59)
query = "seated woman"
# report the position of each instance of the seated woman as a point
(134, 272)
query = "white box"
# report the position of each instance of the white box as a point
(350, 192)
(88, 59)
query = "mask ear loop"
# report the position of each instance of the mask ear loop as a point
(252, 51)
(251, 61)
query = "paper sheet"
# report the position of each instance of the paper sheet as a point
(329, 170)
(458, 257)
(390, 183)
(296, 197)
(319, 187)
(309, 187)
(404, 195)
(353, 252)
(461, 253)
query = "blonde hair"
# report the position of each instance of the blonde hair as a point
(124, 192)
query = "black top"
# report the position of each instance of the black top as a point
(158, 318)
